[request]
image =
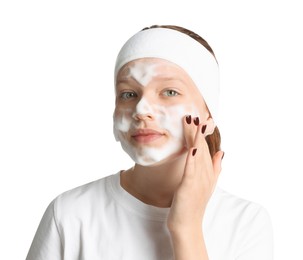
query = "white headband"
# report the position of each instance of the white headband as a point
(180, 49)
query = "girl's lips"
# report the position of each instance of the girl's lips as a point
(146, 135)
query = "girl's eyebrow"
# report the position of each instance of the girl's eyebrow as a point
(167, 78)
(170, 78)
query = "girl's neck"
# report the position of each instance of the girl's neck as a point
(154, 185)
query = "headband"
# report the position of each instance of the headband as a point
(181, 49)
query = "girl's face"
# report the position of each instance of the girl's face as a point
(152, 97)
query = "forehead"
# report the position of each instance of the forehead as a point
(155, 67)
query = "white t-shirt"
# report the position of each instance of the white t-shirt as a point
(100, 220)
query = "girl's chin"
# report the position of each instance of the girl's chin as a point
(151, 161)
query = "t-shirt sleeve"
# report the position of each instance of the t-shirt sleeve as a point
(256, 236)
(46, 244)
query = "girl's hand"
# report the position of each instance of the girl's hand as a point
(200, 177)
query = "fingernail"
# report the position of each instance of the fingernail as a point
(188, 119)
(203, 129)
(196, 121)
(194, 151)
(222, 156)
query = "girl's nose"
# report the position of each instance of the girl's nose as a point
(143, 111)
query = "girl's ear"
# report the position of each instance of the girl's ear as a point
(210, 126)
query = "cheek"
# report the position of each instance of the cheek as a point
(171, 118)
(122, 120)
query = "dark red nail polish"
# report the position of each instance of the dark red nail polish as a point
(196, 121)
(203, 129)
(194, 151)
(188, 119)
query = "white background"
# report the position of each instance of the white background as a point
(56, 103)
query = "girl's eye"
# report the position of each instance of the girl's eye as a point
(170, 93)
(128, 95)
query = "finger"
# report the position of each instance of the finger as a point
(189, 128)
(200, 141)
(190, 165)
(206, 169)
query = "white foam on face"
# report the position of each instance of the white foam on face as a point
(167, 119)
(122, 123)
(142, 72)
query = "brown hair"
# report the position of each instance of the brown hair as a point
(213, 140)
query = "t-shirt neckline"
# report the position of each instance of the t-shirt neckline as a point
(131, 203)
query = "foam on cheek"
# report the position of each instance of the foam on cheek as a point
(142, 72)
(171, 118)
(122, 123)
